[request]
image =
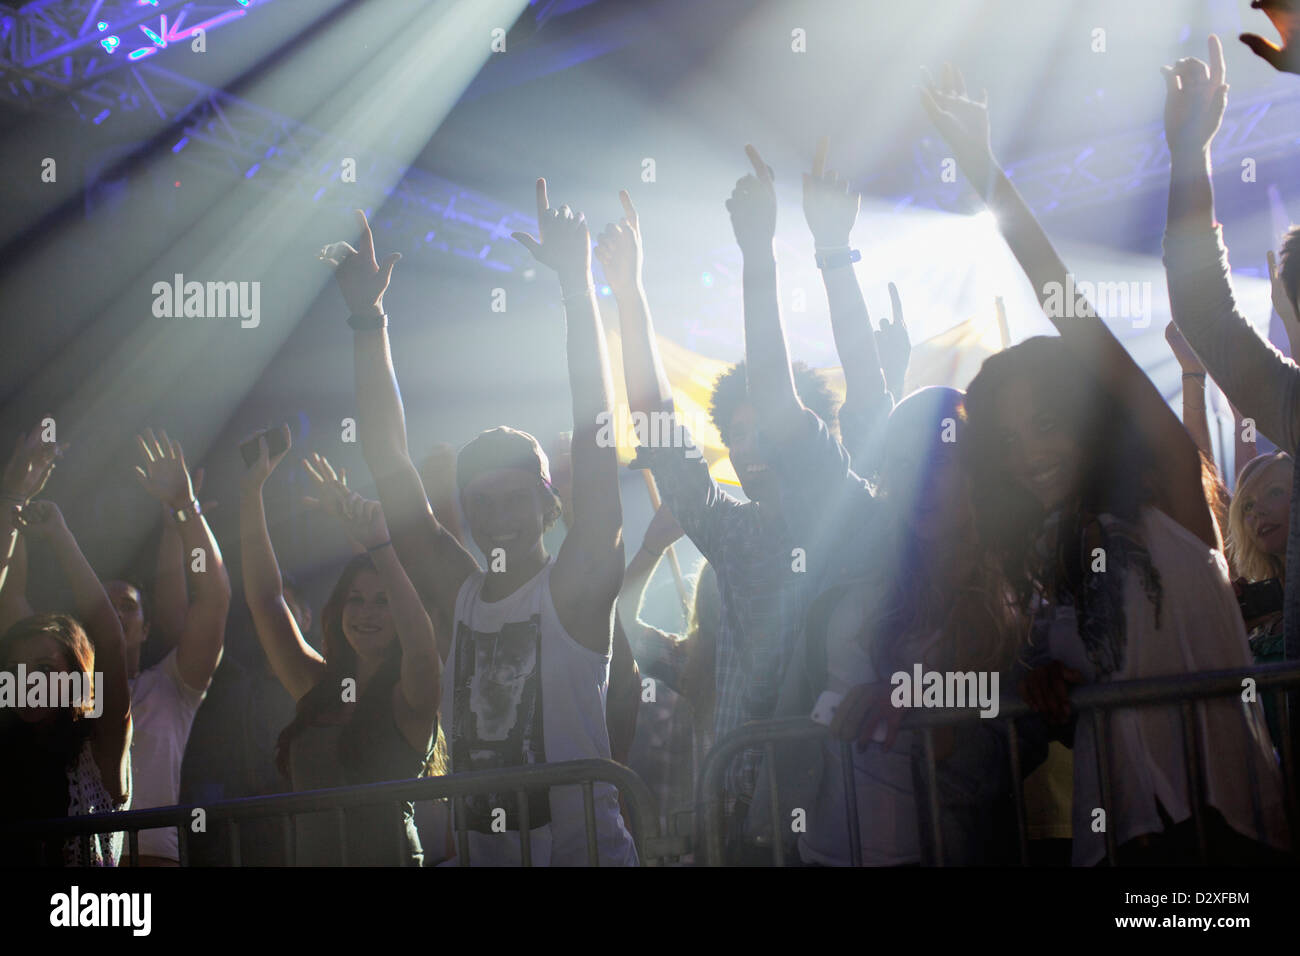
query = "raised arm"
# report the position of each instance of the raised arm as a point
(165, 476)
(26, 472)
(112, 732)
(415, 707)
(589, 568)
(680, 472)
(1254, 375)
(13, 567)
(661, 533)
(171, 596)
(767, 360)
(831, 208)
(1195, 419)
(964, 124)
(437, 563)
(294, 662)
(1285, 17)
(619, 251)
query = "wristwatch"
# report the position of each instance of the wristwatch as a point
(837, 258)
(368, 323)
(184, 513)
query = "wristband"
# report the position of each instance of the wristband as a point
(380, 546)
(368, 323)
(580, 294)
(184, 511)
(1200, 375)
(837, 258)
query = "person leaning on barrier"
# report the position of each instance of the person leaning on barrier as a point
(532, 631)
(378, 640)
(69, 758)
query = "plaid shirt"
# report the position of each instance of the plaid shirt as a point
(763, 597)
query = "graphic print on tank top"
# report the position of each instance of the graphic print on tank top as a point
(497, 715)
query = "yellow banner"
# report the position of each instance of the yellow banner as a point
(951, 358)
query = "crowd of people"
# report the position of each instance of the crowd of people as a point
(1055, 525)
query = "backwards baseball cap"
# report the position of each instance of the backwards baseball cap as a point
(501, 447)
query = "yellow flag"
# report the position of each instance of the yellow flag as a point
(950, 358)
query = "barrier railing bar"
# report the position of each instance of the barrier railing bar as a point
(1094, 697)
(341, 819)
(1018, 792)
(525, 829)
(851, 803)
(1099, 732)
(1288, 762)
(589, 816)
(1195, 790)
(773, 789)
(290, 843)
(462, 834)
(232, 829)
(932, 793)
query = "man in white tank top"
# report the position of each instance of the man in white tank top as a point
(526, 641)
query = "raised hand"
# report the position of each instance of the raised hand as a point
(564, 243)
(362, 280)
(29, 467)
(1195, 98)
(163, 473)
(362, 519)
(618, 249)
(1187, 359)
(753, 207)
(963, 122)
(894, 346)
(42, 519)
(867, 716)
(829, 205)
(331, 487)
(1285, 17)
(1046, 690)
(257, 473)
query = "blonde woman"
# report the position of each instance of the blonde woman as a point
(1257, 531)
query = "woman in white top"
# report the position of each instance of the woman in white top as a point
(1090, 492)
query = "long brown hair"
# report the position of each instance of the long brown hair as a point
(325, 699)
(970, 612)
(1117, 476)
(38, 757)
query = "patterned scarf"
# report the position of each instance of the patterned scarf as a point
(1066, 551)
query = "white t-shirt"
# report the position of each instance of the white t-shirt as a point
(517, 690)
(883, 778)
(162, 712)
(1200, 630)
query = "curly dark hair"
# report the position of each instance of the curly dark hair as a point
(1117, 466)
(731, 390)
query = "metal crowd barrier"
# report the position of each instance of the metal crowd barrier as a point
(1094, 700)
(650, 844)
